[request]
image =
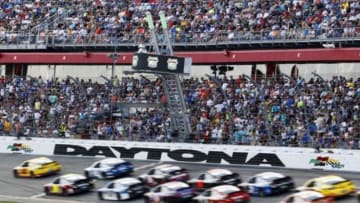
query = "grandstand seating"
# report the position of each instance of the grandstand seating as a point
(281, 112)
(115, 21)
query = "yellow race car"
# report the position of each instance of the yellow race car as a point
(330, 186)
(37, 167)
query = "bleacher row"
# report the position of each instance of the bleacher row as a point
(189, 21)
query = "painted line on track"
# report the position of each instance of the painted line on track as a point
(37, 196)
(36, 200)
(146, 166)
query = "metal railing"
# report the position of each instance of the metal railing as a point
(60, 38)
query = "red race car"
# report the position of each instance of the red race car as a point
(223, 194)
(69, 184)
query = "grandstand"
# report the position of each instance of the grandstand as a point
(104, 25)
(264, 106)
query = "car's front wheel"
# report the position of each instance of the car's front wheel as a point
(32, 174)
(16, 174)
(147, 200)
(103, 175)
(87, 174)
(47, 190)
(261, 193)
(100, 195)
(118, 196)
(163, 201)
(65, 192)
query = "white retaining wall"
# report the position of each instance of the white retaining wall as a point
(287, 157)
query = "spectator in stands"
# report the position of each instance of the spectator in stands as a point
(305, 113)
(7, 127)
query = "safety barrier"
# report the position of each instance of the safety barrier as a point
(283, 157)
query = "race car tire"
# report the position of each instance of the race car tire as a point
(100, 195)
(147, 200)
(46, 190)
(65, 192)
(32, 174)
(118, 196)
(103, 175)
(86, 174)
(164, 201)
(261, 193)
(91, 187)
(16, 174)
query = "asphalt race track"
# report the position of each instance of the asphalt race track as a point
(27, 190)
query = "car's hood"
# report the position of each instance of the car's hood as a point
(193, 180)
(30, 168)
(101, 169)
(301, 188)
(104, 189)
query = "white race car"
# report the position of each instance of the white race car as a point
(122, 189)
(268, 183)
(214, 177)
(109, 168)
(164, 173)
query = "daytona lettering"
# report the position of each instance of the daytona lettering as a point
(176, 155)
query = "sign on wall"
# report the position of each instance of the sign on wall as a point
(161, 63)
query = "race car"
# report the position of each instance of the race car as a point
(330, 186)
(268, 183)
(164, 173)
(307, 197)
(214, 177)
(69, 184)
(109, 168)
(170, 192)
(37, 167)
(122, 189)
(223, 194)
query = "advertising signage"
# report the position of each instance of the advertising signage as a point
(161, 63)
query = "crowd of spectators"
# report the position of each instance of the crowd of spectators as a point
(223, 110)
(116, 21)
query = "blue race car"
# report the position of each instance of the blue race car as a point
(268, 183)
(109, 168)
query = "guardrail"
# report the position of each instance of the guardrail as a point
(60, 38)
